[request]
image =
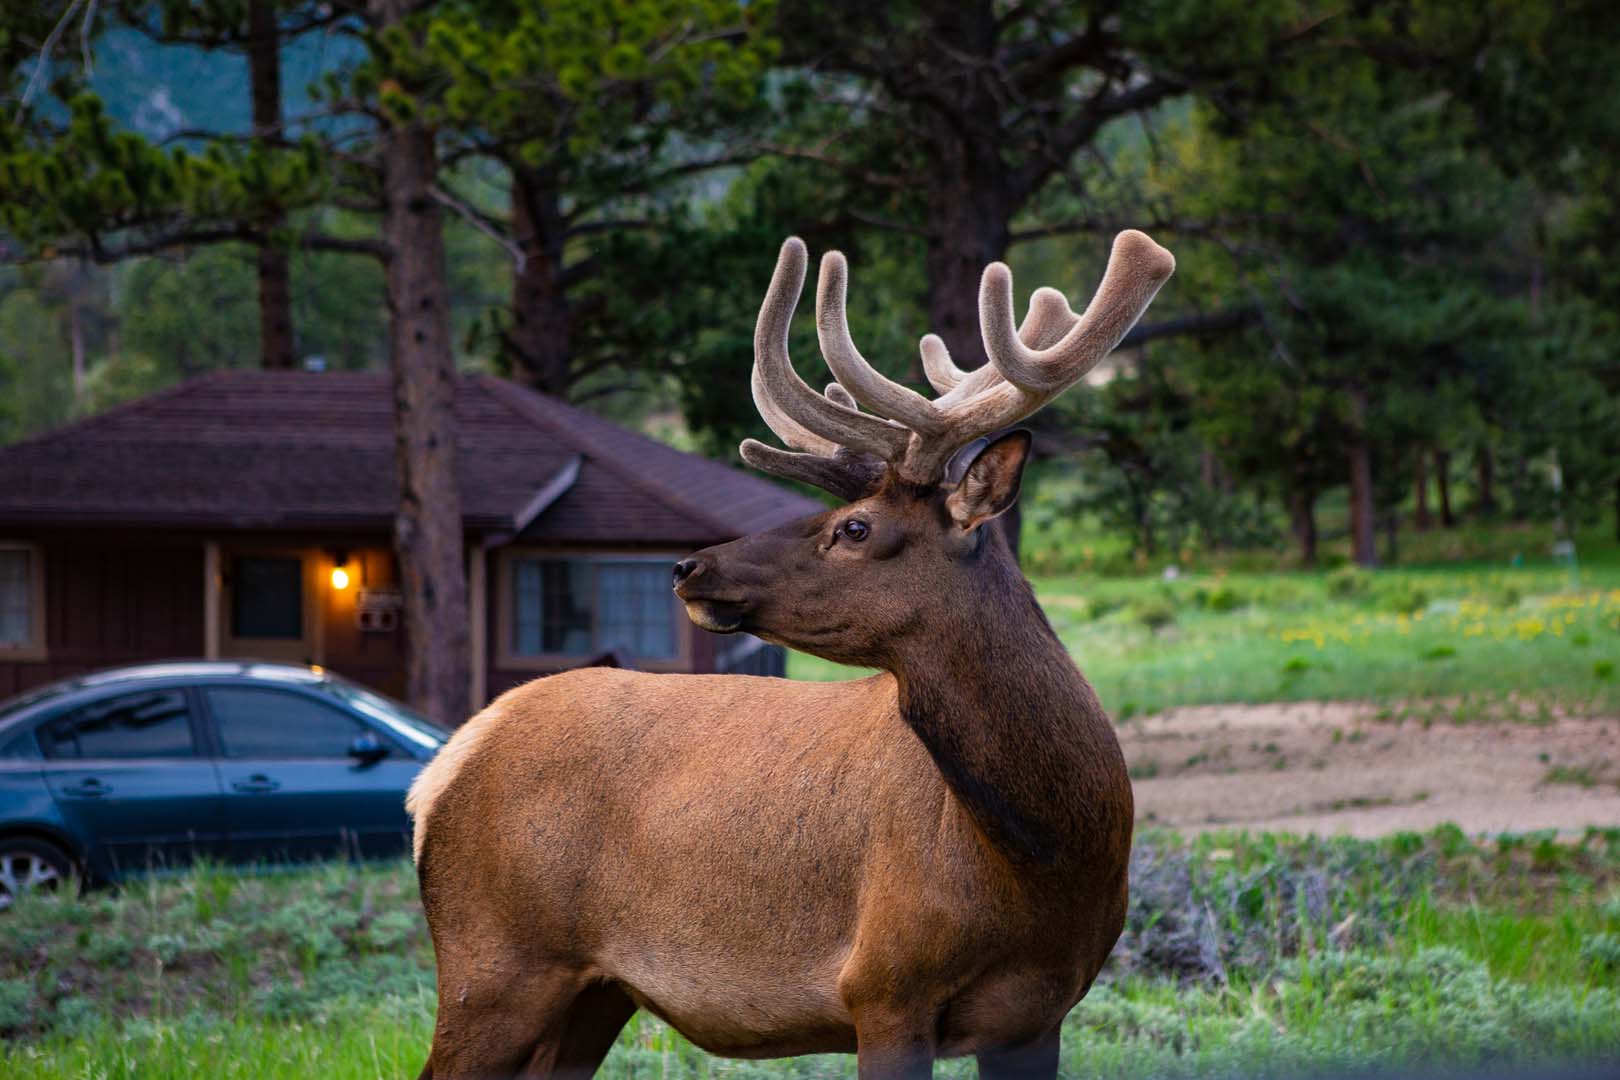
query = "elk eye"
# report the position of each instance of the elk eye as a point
(855, 529)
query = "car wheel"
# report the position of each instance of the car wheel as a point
(28, 865)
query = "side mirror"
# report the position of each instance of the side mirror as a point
(367, 748)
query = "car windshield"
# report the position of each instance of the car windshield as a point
(413, 726)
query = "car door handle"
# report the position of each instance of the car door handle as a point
(255, 784)
(88, 788)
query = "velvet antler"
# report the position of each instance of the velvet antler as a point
(844, 450)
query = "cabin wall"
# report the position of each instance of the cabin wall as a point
(113, 604)
(375, 658)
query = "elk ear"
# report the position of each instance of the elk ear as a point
(990, 484)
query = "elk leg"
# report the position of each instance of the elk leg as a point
(890, 1046)
(490, 1022)
(593, 1024)
(1036, 1061)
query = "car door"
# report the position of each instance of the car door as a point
(126, 776)
(295, 788)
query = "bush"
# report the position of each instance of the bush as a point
(1402, 598)
(1221, 597)
(1349, 581)
(1155, 613)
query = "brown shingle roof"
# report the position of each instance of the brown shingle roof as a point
(260, 449)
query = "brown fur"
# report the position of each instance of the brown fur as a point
(924, 863)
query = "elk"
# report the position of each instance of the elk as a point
(924, 863)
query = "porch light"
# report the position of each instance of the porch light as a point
(340, 576)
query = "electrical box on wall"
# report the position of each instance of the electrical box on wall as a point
(377, 610)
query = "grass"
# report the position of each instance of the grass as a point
(1490, 638)
(1266, 954)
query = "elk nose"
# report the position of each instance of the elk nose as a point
(685, 569)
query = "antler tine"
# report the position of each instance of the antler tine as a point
(847, 475)
(942, 372)
(1137, 268)
(1048, 319)
(1049, 352)
(783, 398)
(880, 395)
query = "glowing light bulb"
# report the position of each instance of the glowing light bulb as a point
(340, 578)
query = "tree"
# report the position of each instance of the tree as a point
(588, 113)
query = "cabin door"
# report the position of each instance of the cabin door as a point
(269, 601)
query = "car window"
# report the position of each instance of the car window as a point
(258, 723)
(23, 746)
(147, 724)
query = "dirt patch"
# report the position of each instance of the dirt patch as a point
(1346, 768)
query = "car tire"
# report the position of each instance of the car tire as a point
(29, 864)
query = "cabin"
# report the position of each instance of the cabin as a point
(249, 514)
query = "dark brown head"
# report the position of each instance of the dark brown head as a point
(851, 584)
(914, 544)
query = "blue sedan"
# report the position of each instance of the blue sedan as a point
(149, 768)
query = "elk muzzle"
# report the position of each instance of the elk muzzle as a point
(712, 603)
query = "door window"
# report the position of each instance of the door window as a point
(255, 723)
(148, 724)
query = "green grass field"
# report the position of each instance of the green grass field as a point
(1503, 638)
(1265, 954)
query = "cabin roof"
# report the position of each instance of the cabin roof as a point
(305, 451)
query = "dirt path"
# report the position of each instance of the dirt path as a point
(1338, 768)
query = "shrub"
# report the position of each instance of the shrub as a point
(1602, 951)
(1220, 598)
(1155, 613)
(1402, 598)
(1349, 581)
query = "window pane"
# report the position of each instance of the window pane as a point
(24, 746)
(255, 723)
(551, 611)
(267, 597)
(636, 612)
(16, 596)
(153, 723)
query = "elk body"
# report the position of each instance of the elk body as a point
(929, 862)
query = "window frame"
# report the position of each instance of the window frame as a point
(34, 647)
(506, 610)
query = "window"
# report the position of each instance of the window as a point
(24, 747)
(254, 723)
(580, 607)
(267, 597)
(19, 597)
(150, 724)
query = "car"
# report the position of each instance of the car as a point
(149, 768)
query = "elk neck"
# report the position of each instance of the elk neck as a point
(1015, 729)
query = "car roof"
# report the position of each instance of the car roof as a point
(181, 670)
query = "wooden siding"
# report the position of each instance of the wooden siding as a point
(375, 658)
(114, 604)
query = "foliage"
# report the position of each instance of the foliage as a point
(1239, 952)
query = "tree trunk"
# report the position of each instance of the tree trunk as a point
(970, 199)
(1421, 520)
(1302, 516)
(427, 528)
(1485, 469)
(1442, 475)
(537, 342)
(1363, 539)
(76, 334)
(276, 349)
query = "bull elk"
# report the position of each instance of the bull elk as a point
(928, 862)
